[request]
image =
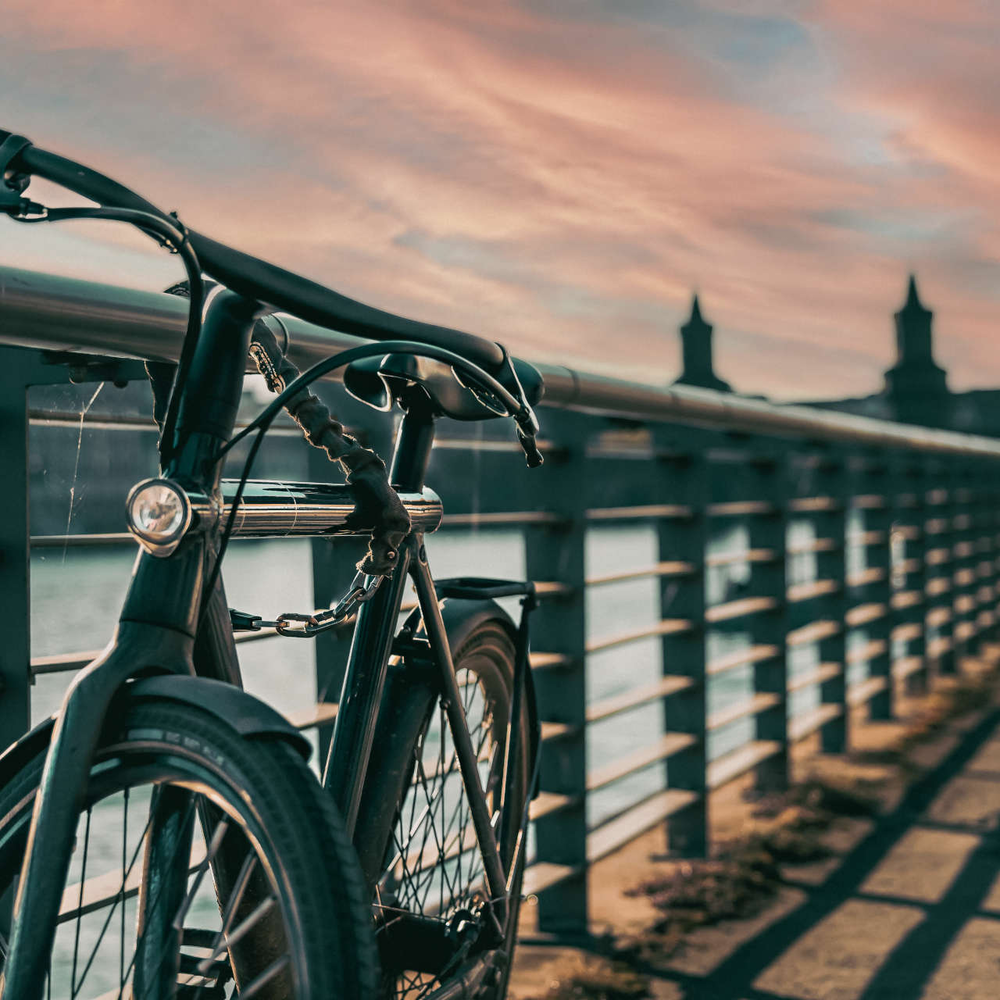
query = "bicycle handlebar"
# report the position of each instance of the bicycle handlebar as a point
(258, 279)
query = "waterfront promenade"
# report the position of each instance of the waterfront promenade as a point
(907, 907)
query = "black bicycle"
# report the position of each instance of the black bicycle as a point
(163, 835)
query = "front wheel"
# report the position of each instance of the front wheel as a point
(248, 887)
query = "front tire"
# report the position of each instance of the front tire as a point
(272, 902)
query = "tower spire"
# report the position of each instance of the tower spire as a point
(915, 385)
(696, 347)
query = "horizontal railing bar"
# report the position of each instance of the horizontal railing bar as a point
(669, 568)
(816, 545)
(871, 575)
(557, 730)
(546, 661)
(62, 662)
(864, 613)
(616, 704)
(800, 505)
(618, 830)
(813, 632)
(123, 422)
(907, 665)
(501, 518)
(823, 673)
(740, 508)
(860, 694)
(939, 616)
(760, 702)
(801, 726)
(67, 314)
(740, 608)
(546, 803)
(485, 444)
(669, 626)
(869, 501)
(811, 590)
(267, 633)
(908, 631)
(78, 541)
(903, 599)
(659, 510)
(741, 658)
(544, 875)
(732, 765)
(744, 556)
(863, 538)
(871, 649)
(320, 714)
(666, 746)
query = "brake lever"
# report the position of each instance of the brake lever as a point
(525, 421)
(526, 439)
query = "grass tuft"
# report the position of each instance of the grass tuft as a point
(601, 980)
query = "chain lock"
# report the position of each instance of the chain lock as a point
(306, 626)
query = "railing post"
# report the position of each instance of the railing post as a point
(991, 550)
(684, 476)
(984, 549)
(876, 592)
(939, 556)
(831, 564)
(909, 572)
(770, 531)
(963, 551)
(555, 551)
(15, 594)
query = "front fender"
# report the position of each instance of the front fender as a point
(233, 707)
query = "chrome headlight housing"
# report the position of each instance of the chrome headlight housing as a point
(158, 512)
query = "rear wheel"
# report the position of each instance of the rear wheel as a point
(264, 900)
(430, 890)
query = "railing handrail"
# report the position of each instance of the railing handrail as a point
(67, 314)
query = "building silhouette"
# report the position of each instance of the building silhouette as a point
(915, 389)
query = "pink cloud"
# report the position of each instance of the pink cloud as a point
(563, 183)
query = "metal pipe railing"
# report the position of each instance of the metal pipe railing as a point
(67, 314)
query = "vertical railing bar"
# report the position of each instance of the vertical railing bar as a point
(557, 552)
(684, 477)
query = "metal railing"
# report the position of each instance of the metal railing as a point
(805, 568)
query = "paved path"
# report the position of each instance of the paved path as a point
(910, 912)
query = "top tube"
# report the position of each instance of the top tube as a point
(259, 279)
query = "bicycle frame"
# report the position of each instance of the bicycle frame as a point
(165, 627)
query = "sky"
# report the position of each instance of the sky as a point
(560, 175)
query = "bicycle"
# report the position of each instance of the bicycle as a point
(235, 871)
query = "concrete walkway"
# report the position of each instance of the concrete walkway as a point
(909, 910)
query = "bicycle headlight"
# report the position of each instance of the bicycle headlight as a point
(158, 513)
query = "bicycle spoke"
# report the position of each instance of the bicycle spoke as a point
(120, 894)
(79, 915)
